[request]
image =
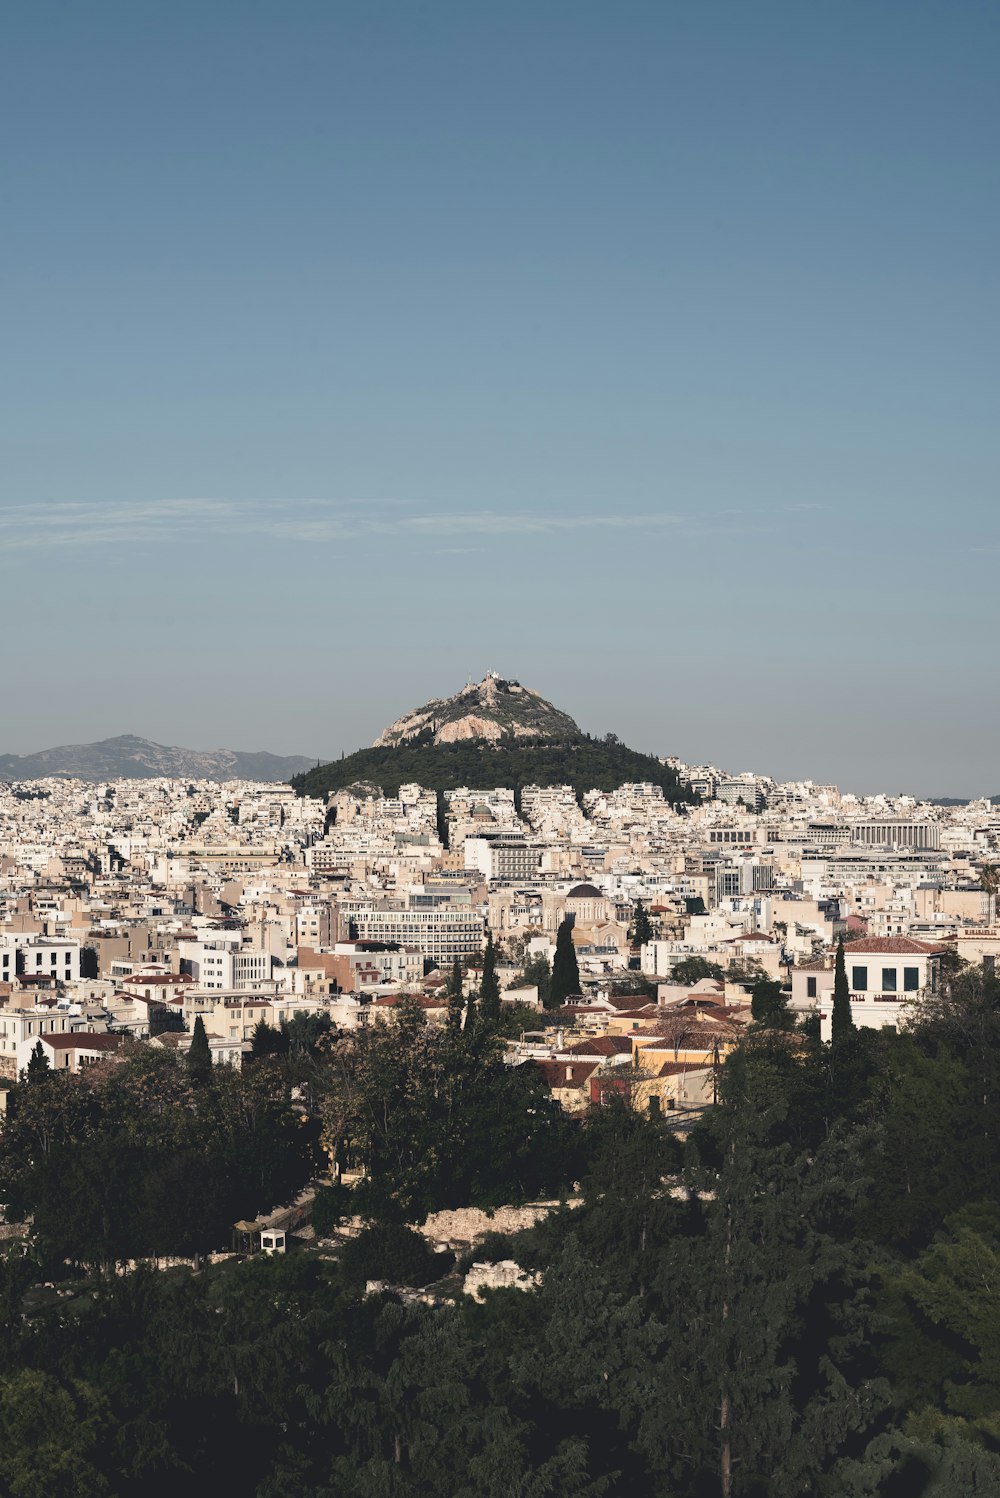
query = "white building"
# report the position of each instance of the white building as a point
(885, 975)
(39, 957)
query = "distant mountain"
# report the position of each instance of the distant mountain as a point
(492, 733)
(490, 710)
(131, 758)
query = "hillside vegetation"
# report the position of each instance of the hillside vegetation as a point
(586, 764)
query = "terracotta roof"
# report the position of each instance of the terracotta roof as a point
(83, 1040)
(896, 945)
(171, 978)
(392, 1000)
(602, 1045)
(554, 1072)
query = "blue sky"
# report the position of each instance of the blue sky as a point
(644, 352)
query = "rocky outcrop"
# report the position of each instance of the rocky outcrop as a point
(490, 710)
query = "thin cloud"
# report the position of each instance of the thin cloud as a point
(309, 521)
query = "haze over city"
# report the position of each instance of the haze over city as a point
(644, 354)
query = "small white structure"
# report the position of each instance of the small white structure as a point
(506, 1275)
(272, 1241)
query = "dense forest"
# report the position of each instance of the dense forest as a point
(584, 763)
(799, 1298)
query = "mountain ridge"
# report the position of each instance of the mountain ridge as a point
(129, 757)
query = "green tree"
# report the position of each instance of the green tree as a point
(537, 973)
(691, 970)
(267, 1041)
(440, 1120)
(775, 1340)
(841, 1019)
(441, 818)
(51, 1437)
(489, 989)
(38, 1067)
(642, 926)
(565, 969)
(304, 1034)
(769, 1004)
(199, 1057)
(456, 997)
(943, 1324)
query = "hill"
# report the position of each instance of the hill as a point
(584, 763)
(491, 709)
(130, 758)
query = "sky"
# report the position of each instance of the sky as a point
(643, 352)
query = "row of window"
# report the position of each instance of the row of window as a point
(890, 981)
(911, 979)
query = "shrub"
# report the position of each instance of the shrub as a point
(492, 1249)
(331, 1206)
(393, 1252)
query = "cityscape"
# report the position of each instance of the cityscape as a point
(499, 790)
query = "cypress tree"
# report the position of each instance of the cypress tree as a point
(489, 989)
(471, 1017)
(642, 928)
(456, 1001)
(199, 1057)
(38, 1064)
(442, 819)
(841, 1020)
(565, 970)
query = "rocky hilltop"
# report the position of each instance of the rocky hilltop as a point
(130, 758)
(491, 709)
(492, 733)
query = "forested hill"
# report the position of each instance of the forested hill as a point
(585, 763)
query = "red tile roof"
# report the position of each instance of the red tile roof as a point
(896, 945)
(554, 1072)
(602, 1045)
(83, 1040)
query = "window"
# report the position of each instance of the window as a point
(888, 980)
(859, 979)
(911, 979)
(810, 988)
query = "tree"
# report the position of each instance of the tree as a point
(841, 1020)
(51, 1437)
(38, 1066)
(776, 1338)
(199, 1057)
(989, 878)
(691, 970)
(769, 1004)
(565, 970)
(642, 927)
(537, 973)
(304, 1034)
(489, 988)
(441, 1121)
(267, 1041)
(442, 819)
(456, 998)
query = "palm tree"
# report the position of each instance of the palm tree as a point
(989, 878)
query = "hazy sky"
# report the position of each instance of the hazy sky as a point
(644, 352)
